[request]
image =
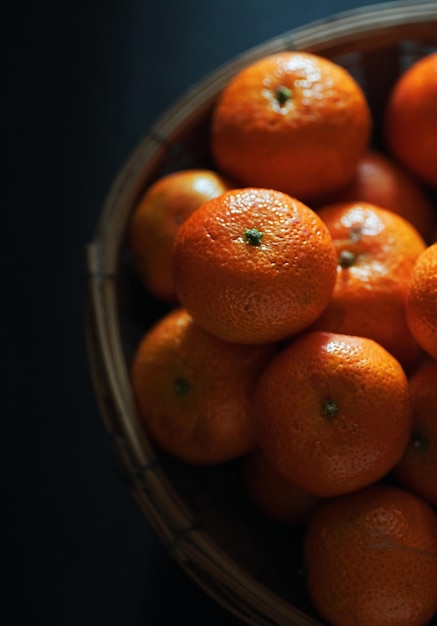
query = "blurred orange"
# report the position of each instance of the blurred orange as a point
(156, 219)
(376, 251)
(275, 496)
(381, 181)
(410, 121)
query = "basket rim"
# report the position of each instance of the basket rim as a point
(170, 518)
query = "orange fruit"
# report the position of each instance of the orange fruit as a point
(422, 301)
(417, 470)
(275, 496)
(378, 179)
(410, 120)
(376, 251)
(291, 121)
(371, 559)
(254, 266)
(193, 391)
(332, 412)
(156, 219)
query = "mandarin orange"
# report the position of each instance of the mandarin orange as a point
(410, 120)
(380, 180)
(332, 412)
(376, 251)
(193, 391)
(417, 470)
(254, 266)
(291, 121)
(422, 301)
(371, 559)
(156, 218)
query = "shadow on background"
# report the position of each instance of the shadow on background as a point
(82, 84)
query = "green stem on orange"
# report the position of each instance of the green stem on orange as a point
(283, 94)
(330, 408)
(181, 386)
(253, 236)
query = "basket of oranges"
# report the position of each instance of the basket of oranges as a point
(262, 324)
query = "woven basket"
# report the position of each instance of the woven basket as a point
(249, 564)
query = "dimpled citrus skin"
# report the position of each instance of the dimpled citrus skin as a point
(332, 412)
(254, 292)
(371, 559)
(193, 391)
(273, 495)
(306, 144)
(156, 219)
(422, 301)
(371, 288)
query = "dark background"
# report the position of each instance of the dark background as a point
(82, 83)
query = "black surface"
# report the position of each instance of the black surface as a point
(82, 83)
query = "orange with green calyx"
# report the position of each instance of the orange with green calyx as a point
(422, 300)
(291, 121)
(254, 266)
(417, 470)
(332, 412)
(193, 391)
(377, 250)
(410, 119)
(380, 180)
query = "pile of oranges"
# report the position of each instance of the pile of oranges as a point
(301, 338)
